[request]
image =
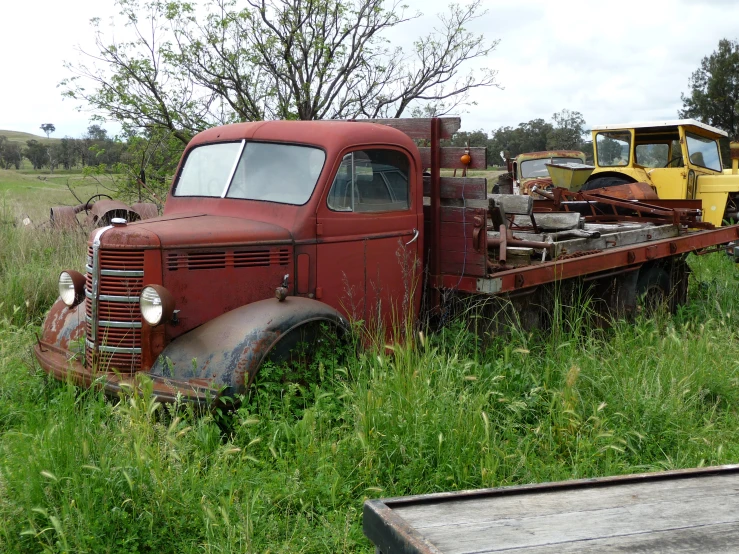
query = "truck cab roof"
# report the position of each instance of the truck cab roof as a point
(328, 134)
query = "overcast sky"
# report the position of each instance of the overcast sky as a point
(612, 61)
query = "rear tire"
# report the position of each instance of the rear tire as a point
(653, 290)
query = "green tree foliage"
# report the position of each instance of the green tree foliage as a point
(36, 153)
(567, 132)
(149, 163)
(68, 154)
(714, 89)
(245, 60)
(10, 154)
(527, 137)
(48, 128)
(714, 92)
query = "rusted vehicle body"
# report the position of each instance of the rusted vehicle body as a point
(272, 229)
(100, 213)
(530, 168)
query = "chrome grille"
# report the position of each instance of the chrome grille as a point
(116, 336)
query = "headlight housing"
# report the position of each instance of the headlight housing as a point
(71, 287)
(157, 305)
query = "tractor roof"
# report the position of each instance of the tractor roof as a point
(662, 124)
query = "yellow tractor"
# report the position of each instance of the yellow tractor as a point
(679, 159)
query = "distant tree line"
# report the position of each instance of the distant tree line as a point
(566, 131)
(94, 148)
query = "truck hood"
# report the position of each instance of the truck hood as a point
(196, 231)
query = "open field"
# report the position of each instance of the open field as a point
(32, 193)
(289, 471)
(19, 136)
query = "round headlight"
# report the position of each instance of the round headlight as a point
(157, 305)
(71, 287)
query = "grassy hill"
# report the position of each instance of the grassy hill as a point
(18, 136)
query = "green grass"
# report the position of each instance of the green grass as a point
(79, 473)
(32, 193)
(19, 136)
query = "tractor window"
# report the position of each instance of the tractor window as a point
(652, 155)
(613, 148)
(371, 181)
(703, 152)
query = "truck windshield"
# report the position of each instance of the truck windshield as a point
(282, 173)
(703, 152)
(538, 168)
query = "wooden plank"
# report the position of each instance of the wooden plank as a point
(419, 127)
(471, 263)
(571, 526)
(459, 187)
(553, 221)
(450, 243)
(462, 215)
(454, 229)
(490, 509)
(457, 203)
(615, 240)
(694, 510)
(450, 157)
(721, 538)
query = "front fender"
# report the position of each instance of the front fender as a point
(64, 327)
(227, 351)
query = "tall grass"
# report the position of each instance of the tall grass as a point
(79, 473)
(30, 263)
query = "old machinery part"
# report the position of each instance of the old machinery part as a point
(90, 201)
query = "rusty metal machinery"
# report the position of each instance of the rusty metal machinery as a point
(100, 210)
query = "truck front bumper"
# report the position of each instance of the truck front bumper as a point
(65, 365)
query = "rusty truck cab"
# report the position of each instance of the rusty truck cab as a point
(330, 210)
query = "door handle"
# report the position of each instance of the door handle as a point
(415, 236)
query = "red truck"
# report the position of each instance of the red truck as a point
(273, 228)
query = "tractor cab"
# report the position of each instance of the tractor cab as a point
(680, 159)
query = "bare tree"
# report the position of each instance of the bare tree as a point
(188, 68)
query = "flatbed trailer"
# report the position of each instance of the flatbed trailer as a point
(469, 234)
(694, 510)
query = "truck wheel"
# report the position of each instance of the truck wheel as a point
(605, 181)
(652, 289)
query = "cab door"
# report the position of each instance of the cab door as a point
(368, 238)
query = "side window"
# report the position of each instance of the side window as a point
(652, 155)
(371, 181)
(613, 148)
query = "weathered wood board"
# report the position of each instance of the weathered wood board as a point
(684, 511)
